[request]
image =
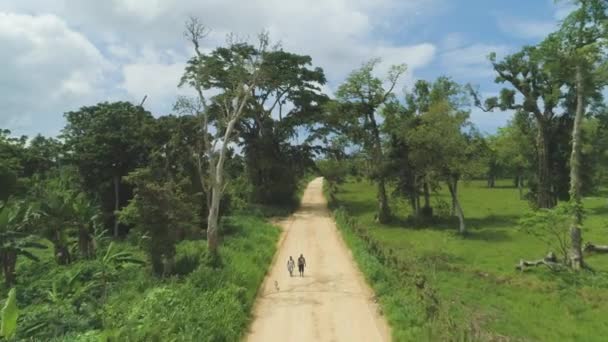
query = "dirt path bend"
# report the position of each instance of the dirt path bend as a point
(331, 302)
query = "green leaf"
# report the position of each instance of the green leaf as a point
(10, 313)
(29, 255)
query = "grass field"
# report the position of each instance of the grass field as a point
(476, 273)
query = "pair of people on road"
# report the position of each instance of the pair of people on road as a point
(301, 264)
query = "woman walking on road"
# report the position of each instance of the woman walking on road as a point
(301, 264)
(290, 266)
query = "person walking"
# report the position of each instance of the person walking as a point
(291, 264)
(301, 264)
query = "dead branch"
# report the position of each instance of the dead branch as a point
(550, 260)
(590, 248)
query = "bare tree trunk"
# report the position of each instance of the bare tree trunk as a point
(452, 186)
(545, 198)
(116, 203)
(85, 243)
(416, 197)
(520, 186)
(384, 212)
(491, 181)
(213, 221)
(412, 198)
(427, 195)
(576, 254)
(427, 211)
(453, 209)
(217, 188)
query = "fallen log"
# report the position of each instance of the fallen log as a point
(550, 260)
(590, 247)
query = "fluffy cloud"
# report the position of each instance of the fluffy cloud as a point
(471, 62)
(47, 68)
(526, 28)
(138, 46)
(157, 81)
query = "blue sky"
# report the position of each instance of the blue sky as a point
(59, 55)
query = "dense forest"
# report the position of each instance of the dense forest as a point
(135, 226)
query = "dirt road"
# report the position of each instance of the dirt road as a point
(331, 302)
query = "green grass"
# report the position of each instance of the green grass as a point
(474, 276)
(204, 303)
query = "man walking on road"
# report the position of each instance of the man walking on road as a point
(301, 264)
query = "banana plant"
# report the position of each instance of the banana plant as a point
(15, 217)
(56, 208)
(86, 221)
(112, 261)
(9, 315)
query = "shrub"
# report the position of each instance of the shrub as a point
(188, 257)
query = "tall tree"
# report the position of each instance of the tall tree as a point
(583, 39)
(287, 101)
(441, 143)
(106, 142)
(355, 112)
(235, 70)
(530, 73)
(12, 152)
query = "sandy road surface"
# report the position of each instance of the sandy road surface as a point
(331, 302)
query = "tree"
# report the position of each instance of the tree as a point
(513, 153)
(41, 155)
(160, 210)
(66, 214)
(12, 152)
(530, 73)
(106, 142)
(583, 54)
(235, 70)
(15, 220)
(287, 101)
(439, 142)
(354, 113)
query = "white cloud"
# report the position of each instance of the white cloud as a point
(526, 28)
(452, 40)
(157, 81)
(139, 48)
(47, 68)
(471, 61)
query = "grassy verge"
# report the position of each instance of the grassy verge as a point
(203, 303)
(470, 289)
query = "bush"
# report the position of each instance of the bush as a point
(188, 257)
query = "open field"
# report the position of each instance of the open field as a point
(476, 273)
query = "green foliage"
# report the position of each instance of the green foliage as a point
(551, 226)
(274, 164)
(189, 255)
(9, 315)
(163, 213)
(107, 141)
(15, 221)
(334, 172)
(211, 304)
